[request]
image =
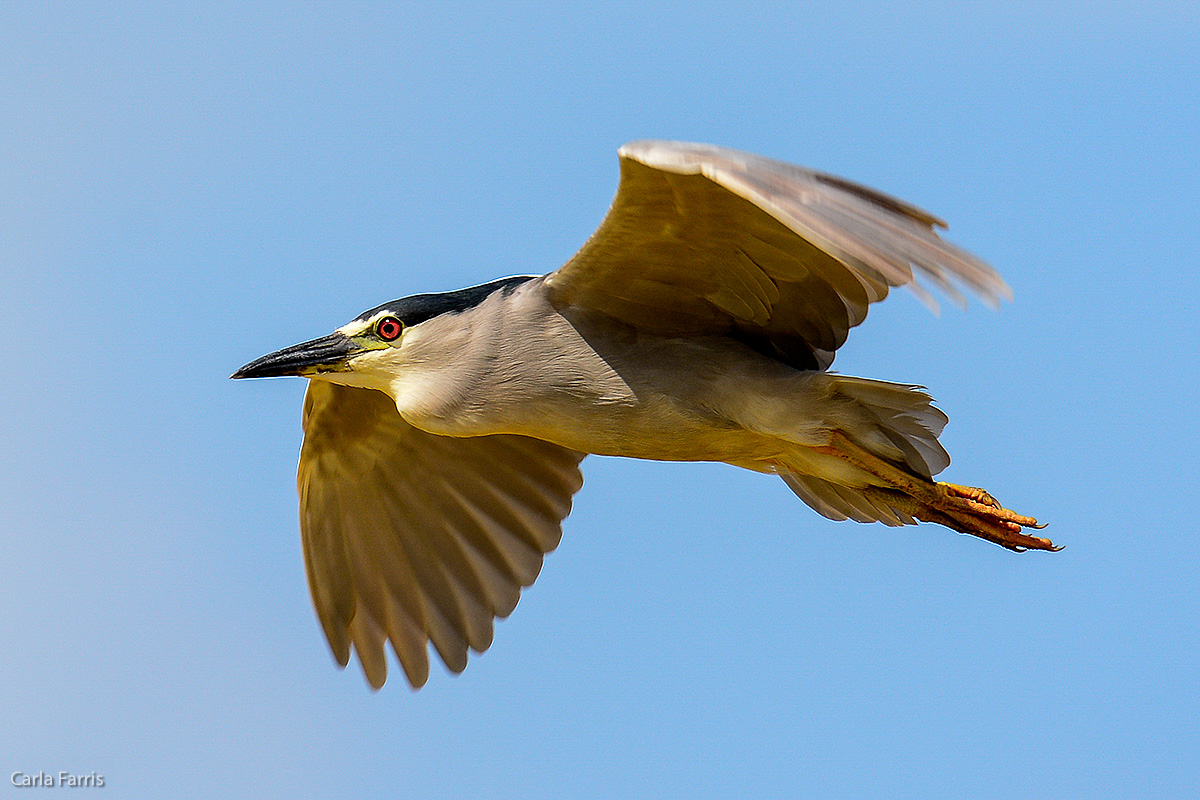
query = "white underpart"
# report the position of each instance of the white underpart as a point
(516, 364)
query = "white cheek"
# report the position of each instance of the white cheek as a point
(371, 370)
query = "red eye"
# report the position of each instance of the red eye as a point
(389, 329)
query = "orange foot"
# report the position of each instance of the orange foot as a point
(965, 509)
(970, 510)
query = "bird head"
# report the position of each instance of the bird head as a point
(356, 354)
(369, 350)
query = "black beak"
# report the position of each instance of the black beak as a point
(327, 354)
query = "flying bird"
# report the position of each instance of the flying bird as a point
(443, 432)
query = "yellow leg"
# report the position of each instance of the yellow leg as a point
(962, 508)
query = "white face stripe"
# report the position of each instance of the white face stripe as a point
(358, 328)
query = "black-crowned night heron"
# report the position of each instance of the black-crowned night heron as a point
(443, 432)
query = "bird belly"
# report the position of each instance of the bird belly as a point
(670, 400)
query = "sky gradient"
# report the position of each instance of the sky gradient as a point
(186, 187)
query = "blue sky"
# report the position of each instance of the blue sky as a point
(185, 187)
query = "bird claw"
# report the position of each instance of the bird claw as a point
(965, 509)
(967, 504)
(970, 493)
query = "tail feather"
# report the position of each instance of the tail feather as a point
(895, 422)
(868, 452)
(842, 502)
(904, 415)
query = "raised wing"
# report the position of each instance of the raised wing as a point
(412, 537)
(705, 240)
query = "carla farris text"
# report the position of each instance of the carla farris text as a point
(25, 780)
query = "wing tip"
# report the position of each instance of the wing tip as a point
(684, 158)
